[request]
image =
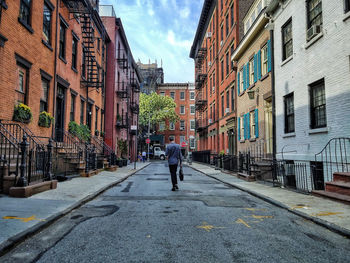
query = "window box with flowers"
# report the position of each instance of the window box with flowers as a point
(45, 119)
(22, 113)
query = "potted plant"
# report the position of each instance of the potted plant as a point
(119, 119)
(102, 134)
(22, 113)
(82, 132)
(119, 162)
(45, 119)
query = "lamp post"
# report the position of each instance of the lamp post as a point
(148, 133)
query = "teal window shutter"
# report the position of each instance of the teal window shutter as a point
(238, 82)
(244, 120)
(255, 68)
(248, 124)
(248, 84)
(239, 128)
(244, 78)
(259, 64)
(256, 123)
(269, 55)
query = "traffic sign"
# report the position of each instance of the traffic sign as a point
(148, 140)
(183, 144)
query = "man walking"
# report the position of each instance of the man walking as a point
(173, 152)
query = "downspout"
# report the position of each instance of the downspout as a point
(54, 75)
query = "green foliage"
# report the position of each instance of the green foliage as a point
(22, 113)
(156, 108)
(45, 119)
(222, 153)
(123, 147)
(81, 131)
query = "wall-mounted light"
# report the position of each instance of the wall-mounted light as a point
(252, 92)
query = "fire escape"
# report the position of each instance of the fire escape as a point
(201, 101)
(83, 10)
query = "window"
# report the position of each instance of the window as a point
(24, 11)
(193, 109)
(251, 71)
(182, 139)
(227, 99)
(162, 93)
(72, 107)
(221, 5)
(83, 65)
(193, 125)
(232, 99)
(213, 112)
(227, 63)
(232, 15)
(182, 125)
(287, 40)
(222, 106)
(222, 32)
(232, 50)
(289, 113)
(172, 95)
(264, 60)
(192, 143)
(62, 44)
(241, 80)
(192, 95)
(74, 52)
(47, 18)
(314, 13)
(252, 124)
(227, 25)
(172, 126)
(22, 84)
(222, 70)
(182, 95)
(182, 109)
(162, 126)
(210, 85)
(45, 86)
(96, 118)
(347, 6)
(242, 119)
(82, 110)
(318, 105)
(213, 82)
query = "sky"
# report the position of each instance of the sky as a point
(161, 30)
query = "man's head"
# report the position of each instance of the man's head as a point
(171, 139)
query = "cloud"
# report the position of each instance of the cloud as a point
(184, 13)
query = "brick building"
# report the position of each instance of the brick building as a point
(216, 38)
(152, 76)
(182, 131)
(123, 85)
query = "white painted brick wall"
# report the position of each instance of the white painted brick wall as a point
(327, 58)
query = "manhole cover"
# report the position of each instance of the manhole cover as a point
(157, 179)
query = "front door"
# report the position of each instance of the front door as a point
(268, 125)
(59, 124)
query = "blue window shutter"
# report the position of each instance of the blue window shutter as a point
(244, 119)
(248, 124)
(248, 84)
(239, 128)
(256, 123)
(238, 82)
(259, 64)
(255, 68)
(269, 55)
(244, 78)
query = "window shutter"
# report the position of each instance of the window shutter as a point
(269, 55)
(244, 77)
(255, 68)
(244, 135)
(248, 124)
(256, 123)
(239, 128)
(238, 83)
(247, 86)
(259, 64)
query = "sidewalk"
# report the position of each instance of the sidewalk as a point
(333, 215)
(20, 217)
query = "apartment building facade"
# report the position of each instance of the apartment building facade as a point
(182, 131)
(254, 95)
(152, 75)
(123, 86)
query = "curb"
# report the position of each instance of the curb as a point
(334, 228)
(13, 241)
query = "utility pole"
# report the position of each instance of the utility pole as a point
(149, 124)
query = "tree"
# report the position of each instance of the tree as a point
(156, 108)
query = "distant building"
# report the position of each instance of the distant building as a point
(182, 131)
(152, 76)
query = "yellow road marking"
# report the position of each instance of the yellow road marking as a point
(254, 209)
(327, 213)
(241, 221)
(23, 219)
(208, 227)
(261, 217)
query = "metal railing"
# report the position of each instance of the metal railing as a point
(104, 150)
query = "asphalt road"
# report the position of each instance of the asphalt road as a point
(141, 220)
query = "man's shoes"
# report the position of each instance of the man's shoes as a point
(176, 187)
(173, 189)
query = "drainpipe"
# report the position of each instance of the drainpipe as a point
(55, 73)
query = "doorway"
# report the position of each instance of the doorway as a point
(268, 125)
(60, 105)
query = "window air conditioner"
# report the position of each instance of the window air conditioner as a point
(213, 89)
(227, 110)
(209, 34)
(182, 128)
(313, 31)
(209, 63)
(210, 121)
